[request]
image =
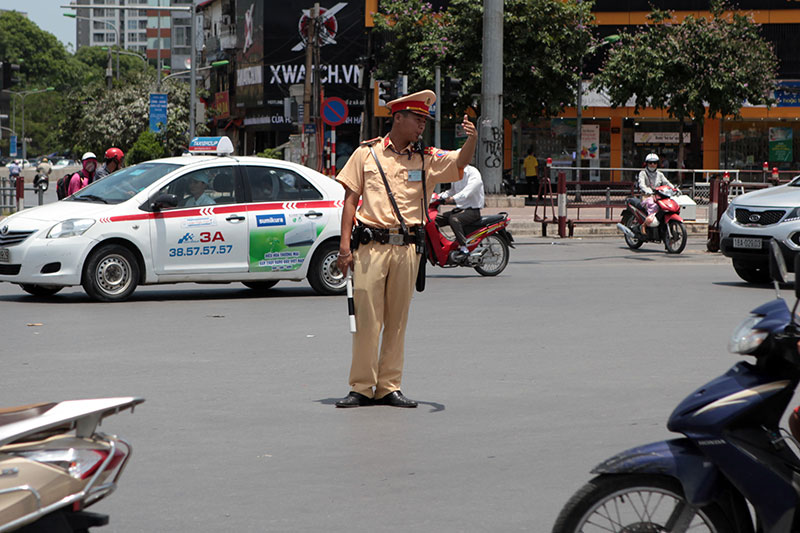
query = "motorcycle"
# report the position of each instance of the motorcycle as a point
(41, 181)
(488, 241)
(669, 227)
(54, 464)
(734, 455)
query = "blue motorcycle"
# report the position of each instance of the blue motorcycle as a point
(734, 456)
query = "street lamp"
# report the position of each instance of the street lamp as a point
(215, 64)
(23, 95)
(134, 54)
(113, 26)
(193, 44)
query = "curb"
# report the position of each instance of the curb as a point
(530, 228)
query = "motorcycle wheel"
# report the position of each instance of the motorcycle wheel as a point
(634, 243)
(624, 503)
(677, 243)
(494, 257)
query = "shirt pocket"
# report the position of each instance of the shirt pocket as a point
(372, 178)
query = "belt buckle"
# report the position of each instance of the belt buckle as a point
(396, 239)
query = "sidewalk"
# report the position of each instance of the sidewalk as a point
(523, 223)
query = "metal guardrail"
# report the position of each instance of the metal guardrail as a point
(8, 195)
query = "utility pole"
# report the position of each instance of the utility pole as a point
(490, 126)
(437, 130)
(310, 38)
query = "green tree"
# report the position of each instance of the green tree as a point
(702, 67)
(544, 44)
(146, 147)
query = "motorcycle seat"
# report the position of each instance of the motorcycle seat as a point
(483, 222)
(9, 415)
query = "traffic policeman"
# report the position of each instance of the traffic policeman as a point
(384, 258)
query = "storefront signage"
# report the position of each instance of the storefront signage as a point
(780, 144)
(788, 94)
(660, 137)
(590, 141)
(221, 106)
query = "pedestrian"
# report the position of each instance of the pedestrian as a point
(113, 162)
(467, 195)
(531, 165)
(85, 175)
(383, 252)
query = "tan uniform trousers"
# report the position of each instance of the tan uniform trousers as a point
(383, 283)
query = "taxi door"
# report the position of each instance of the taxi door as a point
(286, 217)
(207, 232)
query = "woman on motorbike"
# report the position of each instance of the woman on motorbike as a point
(649, 179)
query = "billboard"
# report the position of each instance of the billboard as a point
(250, 55)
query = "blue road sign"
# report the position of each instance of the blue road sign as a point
(12, 148)
(334, 111)
(158, 112)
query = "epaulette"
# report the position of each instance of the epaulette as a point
(370, 142)
(429, 150)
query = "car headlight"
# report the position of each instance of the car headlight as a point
(745, 338)
(731, 211)
(70, 228)
(794, 214)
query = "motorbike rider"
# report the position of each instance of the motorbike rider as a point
(467, 195)
(113, 162)
(85, 176)
(13, 170)
(649, 179)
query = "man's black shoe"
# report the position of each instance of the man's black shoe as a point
(396, 399)
(354, 399)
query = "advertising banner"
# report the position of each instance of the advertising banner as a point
(590, 141)
(158, 112)
(250, 41)
(780, 144)
(281, 240)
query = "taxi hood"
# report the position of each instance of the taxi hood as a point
(786, 196)
(60, 211)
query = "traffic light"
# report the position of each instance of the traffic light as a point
(452, 86)
(384, 92)
(9, 73)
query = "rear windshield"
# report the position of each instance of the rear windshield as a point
(123, 184)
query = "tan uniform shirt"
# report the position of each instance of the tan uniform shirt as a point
(361, 176)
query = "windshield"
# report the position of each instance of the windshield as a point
(795, 182)
(124, 184)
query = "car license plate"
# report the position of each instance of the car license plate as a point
(753, 244)
(4, 255)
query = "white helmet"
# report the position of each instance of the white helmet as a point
(651, 158)
(88, 155)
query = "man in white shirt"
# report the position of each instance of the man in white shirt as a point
(467, 195)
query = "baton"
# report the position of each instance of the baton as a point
(351, 310)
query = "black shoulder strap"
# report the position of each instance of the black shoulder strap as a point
(389, 191)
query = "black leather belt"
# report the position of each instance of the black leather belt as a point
(365, 234)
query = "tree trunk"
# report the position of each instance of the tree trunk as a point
(681, 151)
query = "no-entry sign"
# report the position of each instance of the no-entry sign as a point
(334, 111)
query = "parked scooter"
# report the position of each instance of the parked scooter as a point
(734, 454)
(488, 241)
(668, 226)
(54, 464)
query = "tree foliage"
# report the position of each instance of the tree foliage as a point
(701, 67)
(146, 147)
(544, 41)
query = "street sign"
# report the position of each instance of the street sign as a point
(12, 147)
(158, 112)
(309, 129)
(334, 111)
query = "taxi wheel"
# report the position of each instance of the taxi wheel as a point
(111, 274)
(323, 274)
(260, 285)
(40, 290)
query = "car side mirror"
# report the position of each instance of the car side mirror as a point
(163, 200)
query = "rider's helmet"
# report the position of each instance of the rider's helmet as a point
(651, 158)
(89, 161)
(114, 154)
(44, 160)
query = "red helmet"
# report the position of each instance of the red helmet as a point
(115, 154)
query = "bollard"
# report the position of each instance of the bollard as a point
(608, 201)
(765, 170)
(712, 245)
(562, 204)
(20, 190)
(775, 180)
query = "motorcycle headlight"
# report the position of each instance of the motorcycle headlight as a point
(745, 338)
(70, 228)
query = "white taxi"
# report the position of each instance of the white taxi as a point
(199, 218)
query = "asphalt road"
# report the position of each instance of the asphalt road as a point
(579, 350)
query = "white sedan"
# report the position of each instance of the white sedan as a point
(181, 219)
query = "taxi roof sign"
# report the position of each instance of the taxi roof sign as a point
(211, 145)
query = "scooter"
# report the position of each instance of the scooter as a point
(668, 228)
(54, 464)
(734, 455)
(488, 241)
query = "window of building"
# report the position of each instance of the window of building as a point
(99, 37)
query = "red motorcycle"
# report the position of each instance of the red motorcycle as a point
(488, 241)
(668, 226)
